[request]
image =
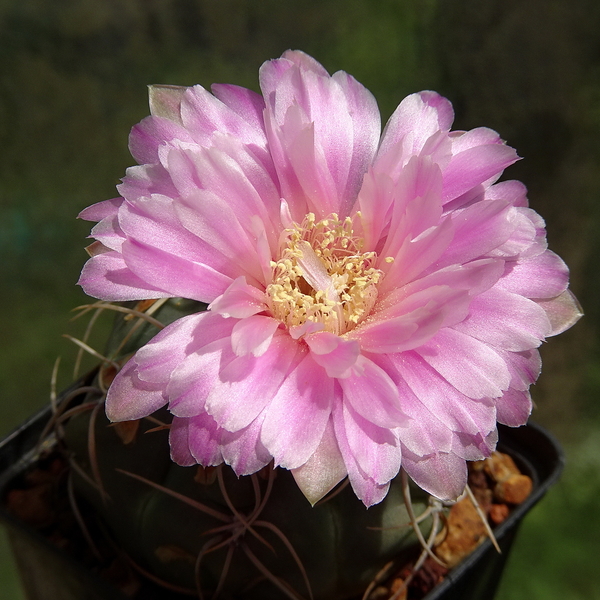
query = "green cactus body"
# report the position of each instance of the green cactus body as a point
(248, 537)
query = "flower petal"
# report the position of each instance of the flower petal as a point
(253, 335)
(129, 398)
(506, 321)
(323, 470)
(179, 443)
(543, 276)
(202, 114)
(474, 166)
(239, 300)
(456, 410)
(563, 311)
(298, 414)
(335, 354)
(107, 276)
(469, 365)
(372, 394)
(204, 438)
(193, 380)
(514, 407)
(243, 449)
(417, 118)
(443, 475)
(157, 359)
(363, 485)
(323, 132)
(248, 383)
(101, 210)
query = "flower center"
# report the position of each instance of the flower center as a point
(323, 276)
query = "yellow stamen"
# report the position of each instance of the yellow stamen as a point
(323, 276)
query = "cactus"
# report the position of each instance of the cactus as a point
(205, 531)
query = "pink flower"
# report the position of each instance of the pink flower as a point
(376, 300)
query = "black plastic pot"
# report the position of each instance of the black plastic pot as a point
(48, 573)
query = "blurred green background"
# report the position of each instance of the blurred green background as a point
(73, 76)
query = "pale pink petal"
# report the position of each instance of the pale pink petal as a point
(107, 276)
(539, 244)
(417, 205)
(416, 256)
(177, 276)
(417, 118)
(524, 367)
(235, 174)
(442, 475)
(239, 300)
(479, 229)
(192, 381)
(469, 365)
(334, 354)
(252, 382)
(150, 134)
(298, 414)
(253, 335)
(247, 104)
(204, 440)
(202, 114)
(374, 200)
(414, 325)
(506, 321)
(363, 485)
(291, 190)
(474, 447)
(366, 123)
(304, 61)
(372, 394)
(157, 359)
(109, 233)
(323, 470)
(307, 163)
(513, 191)
(514, 407)
(213, 221)
(474, 166)
(480, 136)
(527, 240)
(456, 410)
(475, 278)
(101, 210)
(544, 276)
(153, 221)
(129, 398)
(243, 449)
(328, 129)
(563, 311)
(376, 450)
(422, 432)
(142, 181)
(179, 443)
